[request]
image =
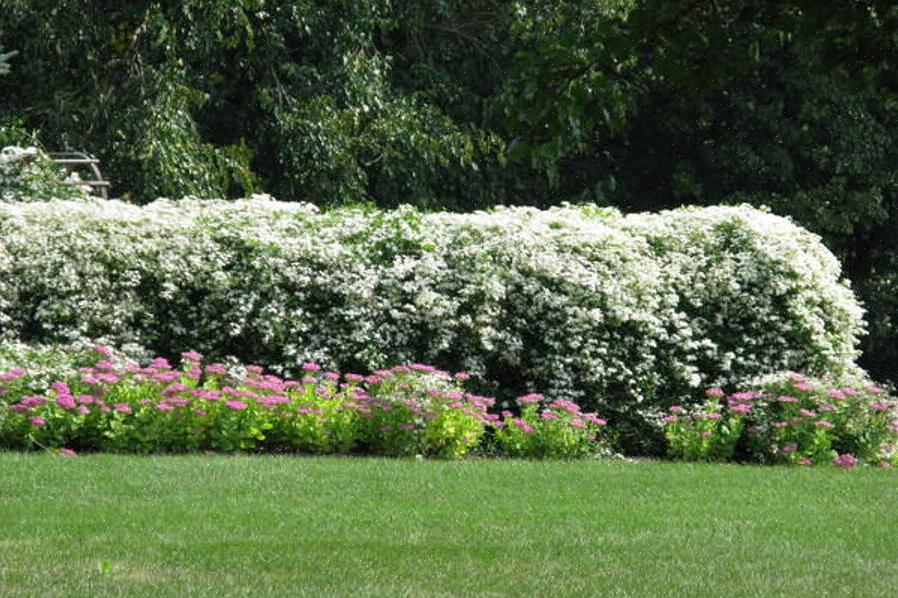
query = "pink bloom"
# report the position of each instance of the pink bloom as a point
(531, 398)
(836, 395)
(787, 399)
(705, 434)
(309, 380)
(83, 410)
(592, 417)
(806, 461)
(102, 350)
(677, 409)
(740, 408)
(826, 407)
(164, 407)
(13, 374)
(807, 412)
(20, 408)
(33, 401)
(310, 367)
(549, 415)
(406, 426)
(874, 389)
(462, 376)
(845, 461)
(38, 422)
(86, 399)
(235, 405)
(712, 416)
(107, 378)
(894, 426)
(191, 356)
(354, 378)
(569, 406)
(796, 377)
(671, 419)
(61, 388)
(714, 393)
(885, 465)
(804, 387)
(332, 376)
(780, 424)
(506, 413)
(201, 412)
(823, 424)
(789, 448)
(218, 369)
(66, 401)
(880, 406)
(123, 408)
(67, 452)
(850, 392)
(523, 425)
(578, 423)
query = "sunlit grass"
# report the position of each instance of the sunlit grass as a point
(282, 526)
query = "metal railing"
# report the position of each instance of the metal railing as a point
(73, 161)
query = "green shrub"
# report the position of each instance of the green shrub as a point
(120, 406)
(547, 429)
(621, 314)
(791, 418)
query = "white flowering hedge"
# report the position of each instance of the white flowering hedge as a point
(27, 174)
(612, 311)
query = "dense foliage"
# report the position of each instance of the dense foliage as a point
(790, 418)
(459, 104)
(406, 410)
(616, 312)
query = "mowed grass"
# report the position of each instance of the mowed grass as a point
(283, 526)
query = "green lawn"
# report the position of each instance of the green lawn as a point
(284, 526)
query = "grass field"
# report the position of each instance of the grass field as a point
(280, 526)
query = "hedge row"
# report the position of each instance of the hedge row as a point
(619, 313)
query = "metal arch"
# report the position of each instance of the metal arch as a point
(74, 160)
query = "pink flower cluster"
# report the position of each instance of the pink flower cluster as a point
(407, 409)
(797, 420)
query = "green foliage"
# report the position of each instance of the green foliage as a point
(547, 429)
(464, 104)
(620, 313)
(792, 419)
(4, 60)
(704, 433)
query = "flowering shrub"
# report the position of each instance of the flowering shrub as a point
(618, 313)
(793, 419)
(116, 405)
(27, 175)
(548, 429)
(705, 433)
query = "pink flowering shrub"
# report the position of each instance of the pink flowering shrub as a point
(547, 429)
(792, 419)
(121, 406)
(706, 433)
(402, 416)
(807, 420)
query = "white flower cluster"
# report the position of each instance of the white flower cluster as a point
(27, 175)
(579, 302)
